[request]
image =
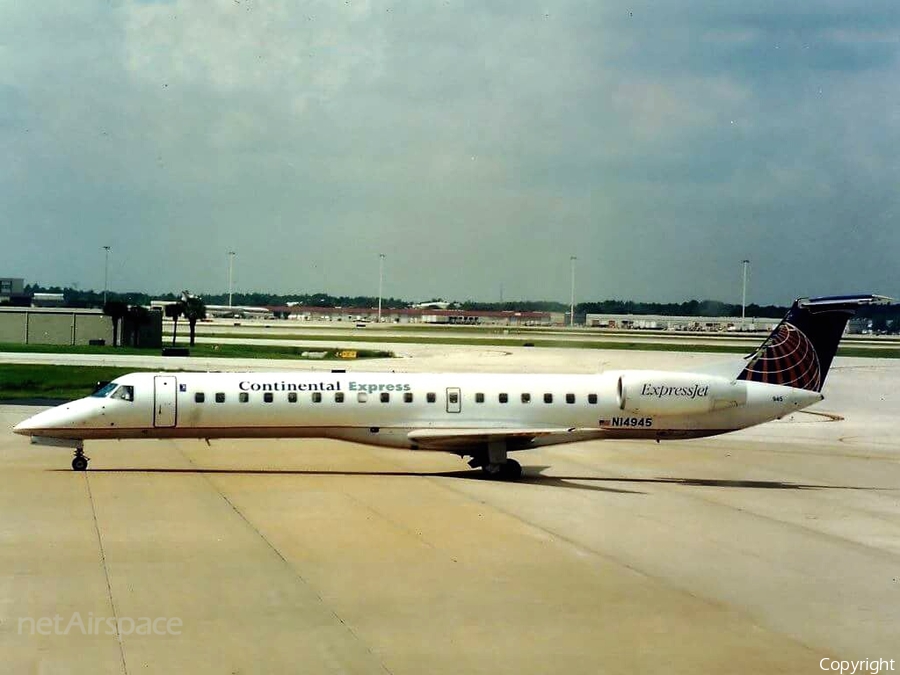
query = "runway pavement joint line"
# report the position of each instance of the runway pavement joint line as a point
(112, 602)
(616, 560)
(554, 536)
(798, 527)
(287, 564)
(371, 509)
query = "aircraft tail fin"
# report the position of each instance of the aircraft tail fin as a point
(799, 351)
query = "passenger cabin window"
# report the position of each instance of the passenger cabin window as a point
(479, 398)
(362, 397)
(199, 397)
(317, 397)
(243, 397)
(220, 397)
(570, 398)
(503, 398)
(124, 393)
(548, 398)
(431, 397)
(385, 397)
(526, 398)
(408, 397)
(592, 399)
(268, 397)
(292, 397)
(338, 397)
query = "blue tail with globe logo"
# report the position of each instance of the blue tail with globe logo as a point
(800, 350)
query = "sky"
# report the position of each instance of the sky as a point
(477, 145)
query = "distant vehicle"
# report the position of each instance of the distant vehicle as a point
(481, 416)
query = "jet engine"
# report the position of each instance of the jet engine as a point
(662, 393)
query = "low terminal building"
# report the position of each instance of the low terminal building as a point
(700, 324)
(419, 315)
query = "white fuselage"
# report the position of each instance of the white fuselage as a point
(400, 410)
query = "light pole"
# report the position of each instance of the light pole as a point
(106, 274)
(231, 255)
(746, 264)
(572, 259)
(380, 282)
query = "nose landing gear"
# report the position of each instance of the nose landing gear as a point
(80, 462)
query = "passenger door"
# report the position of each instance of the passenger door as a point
(164, 401)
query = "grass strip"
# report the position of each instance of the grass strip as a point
(38, 381)
(202, 350)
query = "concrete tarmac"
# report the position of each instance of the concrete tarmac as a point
(762, 551)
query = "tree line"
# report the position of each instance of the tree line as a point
(887, 316)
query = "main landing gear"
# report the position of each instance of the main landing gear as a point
(508, 470)
(495, 464)
(80, 462)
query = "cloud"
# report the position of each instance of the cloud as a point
(473, 144)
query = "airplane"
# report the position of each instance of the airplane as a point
(224, 311)
(481, 416)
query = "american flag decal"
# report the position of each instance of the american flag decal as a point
(787, 358)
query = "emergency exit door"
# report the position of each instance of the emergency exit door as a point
(164, 403)
(454, 400)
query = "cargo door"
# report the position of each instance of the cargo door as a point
(164, 403)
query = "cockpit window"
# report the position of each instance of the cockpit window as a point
(125, 392)
(105, 391)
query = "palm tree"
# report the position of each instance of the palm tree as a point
(173, 311)
(194, 310)
(115, 309)
(136, 317)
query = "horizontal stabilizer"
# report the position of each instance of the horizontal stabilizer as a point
(845, 301)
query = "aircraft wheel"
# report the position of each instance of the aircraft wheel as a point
(509, 470)
(79, 464)
(512, 470)
(492, 470)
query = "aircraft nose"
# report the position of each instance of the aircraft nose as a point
(46, 421)
(23, 428)
(33, 423)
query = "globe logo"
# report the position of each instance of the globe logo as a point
(787, 358)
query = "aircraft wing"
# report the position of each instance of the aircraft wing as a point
(453, 440)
